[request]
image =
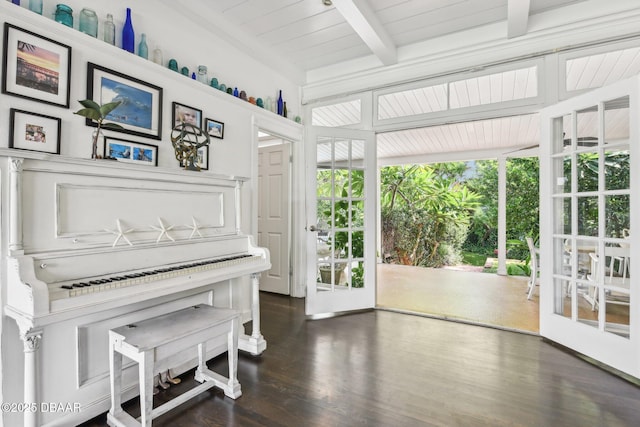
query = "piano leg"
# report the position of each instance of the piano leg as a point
(254, 344)
(31, 340)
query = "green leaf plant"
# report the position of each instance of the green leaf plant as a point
(98, 114)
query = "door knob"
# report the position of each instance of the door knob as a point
(313, 228)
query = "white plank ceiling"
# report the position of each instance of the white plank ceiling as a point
(310, 35)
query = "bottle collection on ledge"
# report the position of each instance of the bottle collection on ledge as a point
(88, 24)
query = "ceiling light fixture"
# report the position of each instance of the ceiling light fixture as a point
(327, 2)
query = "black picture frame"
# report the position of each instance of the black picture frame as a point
(203, 158)
(34, 132)
(181, 113)
(214, 128)
(138, 152)
(141, 112)
(35, 67)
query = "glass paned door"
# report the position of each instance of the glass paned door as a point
(341, 208)
(588, 298)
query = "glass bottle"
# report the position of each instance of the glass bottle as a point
(143, 49)
(157, 56)
(202, 74)
(128, 35)
(284, 109)
(16, 2)
(280, 104)
(109, 30)
(88, 22)
(35, 6)
(64, 15)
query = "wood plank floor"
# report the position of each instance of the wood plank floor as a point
(380, 368)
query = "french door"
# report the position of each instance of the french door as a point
(589, 175)
(341, 221)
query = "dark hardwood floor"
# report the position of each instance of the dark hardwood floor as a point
(380, 368)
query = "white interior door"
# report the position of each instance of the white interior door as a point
(589, 172)
(274, 213)
(341, 220)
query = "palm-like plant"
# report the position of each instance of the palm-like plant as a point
(98, 114)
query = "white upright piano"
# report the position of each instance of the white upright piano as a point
(93, 245)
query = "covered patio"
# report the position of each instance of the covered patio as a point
(467, 296)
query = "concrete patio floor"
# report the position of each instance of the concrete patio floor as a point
(472, 296)
(475, 297)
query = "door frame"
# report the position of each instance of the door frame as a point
(293, 132)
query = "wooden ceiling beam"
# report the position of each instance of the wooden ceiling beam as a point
(517, 17)
(363, 20)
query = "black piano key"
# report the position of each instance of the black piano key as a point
(67, 286)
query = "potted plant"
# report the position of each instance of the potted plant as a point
(98, 114)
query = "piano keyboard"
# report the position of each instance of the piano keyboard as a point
(140, 277)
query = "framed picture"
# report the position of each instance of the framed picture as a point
(35, 132)
(141, 110)
(185, 114)
(214, 128)
(35, 67)
(130, 151)
(203, 158)
(202, 161)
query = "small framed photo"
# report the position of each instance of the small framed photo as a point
(202, 160)
(35, 67)
(141, 110)
(214, 128)
(130, 151)
(34, 132)
(185, 114)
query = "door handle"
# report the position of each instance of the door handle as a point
(313, 228)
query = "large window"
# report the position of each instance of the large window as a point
(592, 71)
(509, 87)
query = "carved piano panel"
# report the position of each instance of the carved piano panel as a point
(100, 207)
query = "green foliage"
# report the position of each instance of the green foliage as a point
(338, 185)
(523, 199)
(98, 113)
(425, 213)
(617, 176)
(473, 258)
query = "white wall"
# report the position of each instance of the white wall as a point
(190, 44)
(234, 155)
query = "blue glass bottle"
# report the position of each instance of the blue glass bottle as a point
(280, 109)
(128, 35)
(16, 2)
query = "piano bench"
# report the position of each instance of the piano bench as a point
(152, 343)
